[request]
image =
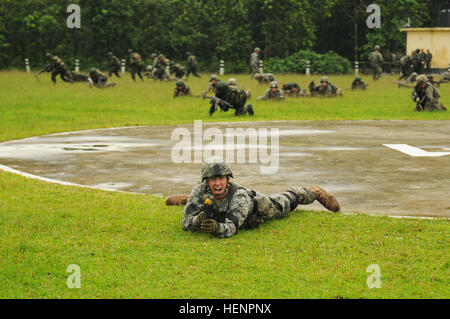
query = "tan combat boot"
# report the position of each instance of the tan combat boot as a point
(177, 200)
(327, 200)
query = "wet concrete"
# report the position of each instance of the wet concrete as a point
(347, 158)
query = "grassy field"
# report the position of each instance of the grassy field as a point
(132, 246)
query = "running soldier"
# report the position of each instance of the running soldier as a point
(114, 65)
(176, 69)
(191, 65)
(57, 66)
(221, 208)
(426, 96)
(136, 65)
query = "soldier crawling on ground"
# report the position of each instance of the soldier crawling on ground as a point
(326, 88)
(220, 207)
(426, 95)
(272, 93)
(181, 89)
(264, 77)
(292, 89)
(57, 66)
(358, 84)
(98, 79)
(78, 77)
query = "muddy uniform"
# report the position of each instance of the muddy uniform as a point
(427, 97)
(240, 210)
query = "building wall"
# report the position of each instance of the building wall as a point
(437, 40)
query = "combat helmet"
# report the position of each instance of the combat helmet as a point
(274, 84)
(110, 53)
(422, 78)
(48, 55)
(130, 51)
(377, 47)
(323, 79)
(257, 49)
(215, 167)
(232, 81)
(213, 77)
(92, 70)
(179, 83)
(358, 78)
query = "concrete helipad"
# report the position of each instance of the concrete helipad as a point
(376, 167)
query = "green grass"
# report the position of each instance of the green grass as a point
(133, 246)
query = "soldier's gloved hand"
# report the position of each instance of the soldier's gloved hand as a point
(209, 226)
(200, 218)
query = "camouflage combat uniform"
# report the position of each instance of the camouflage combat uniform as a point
(254, 62)
(270, 94)
(136, 65)
(406, 66)
(328, 90)
(57, 66)
(376, 62)
(160, 71)
(176, 69)
(292, 89)
(235, 96)
(181, 89)
(114, 65)
(426, 96)
(192, 66)
(242, 208)
(98, 79)
(358, 84)
(264, 78)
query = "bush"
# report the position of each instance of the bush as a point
(329, 63)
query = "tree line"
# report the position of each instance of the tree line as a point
(210, 29)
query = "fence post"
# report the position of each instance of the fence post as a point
(222, 67)
(261, 67)
(77, 65)
(27, 65)
(356, 67)
(122, 69)
(308, 68)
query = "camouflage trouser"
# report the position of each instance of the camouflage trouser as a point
(432, 105)
(255, 69)
(278, 206)
(136, 69)
(377, 70)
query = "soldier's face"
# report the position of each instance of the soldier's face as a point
(274, 90)
(218, 186)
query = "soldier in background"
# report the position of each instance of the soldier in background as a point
(57, 66)
(264, 77)
(220, 207)
(388, 59)
(417, 62)
(426, 96)
(192, 65)
(98, 79)
(428, 58)
(406, 66)
(358, 84)
(376, 62)
(410, 82)
(181, 89)
(160, 71)
(213, 80)
(136, 64)
(446, 75)
(176, 69)
(272, 93)
(254, 62)
(114, 65)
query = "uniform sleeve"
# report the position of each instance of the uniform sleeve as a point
(240, 206)
(429, 92)
(193, 207)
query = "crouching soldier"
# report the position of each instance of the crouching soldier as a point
(181, 89)
(272, 93)
(358, 84)
(220, 207)
(98, 79)
(426, 96)
(230, 96)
